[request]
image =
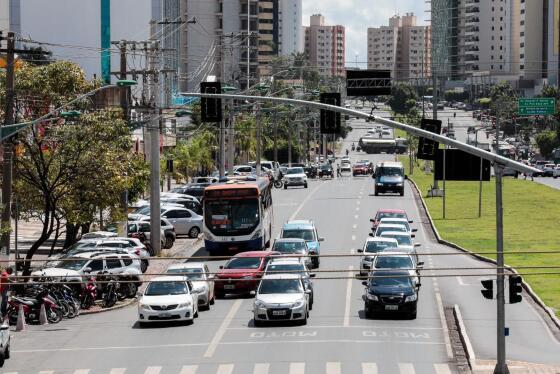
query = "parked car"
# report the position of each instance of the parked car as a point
(279, 265)
(99, 235)
(205, 180)
(306, 230)
(199, 275)
(548, 170)
(168, 298)
(371, 247)
(281, 297)
(138, 228)
(195, 206)
(556, 172)
(241, 274)
(185, 221)
(4, 343)
(193, 189)
(391, 292)
(293, 246)
(295, 176)
(168, 231)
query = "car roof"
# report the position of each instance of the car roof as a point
(256, 254)
(396, 254)
(285, 260)
(299, 224)
(289, 240)
(391, 211)
(391, 225)
(390, 164)
(100, 252)
(281, 276)
(172, 278)
(381, 239)
(403, 220)
(385, 273)
(395, 233)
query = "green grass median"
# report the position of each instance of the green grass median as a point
(531, 223)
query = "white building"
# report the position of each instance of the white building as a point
(402, 47)
(10, 16)
(290, 29)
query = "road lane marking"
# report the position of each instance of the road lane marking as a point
(356, 216)
(444, 326)
(153, 370)
(354, 226)
(358, 202)
(357, 209)
(189, 369)
(333, 368)
(405, 368)
(81, 371)
(348, 296)
(222, 329)
(353, 237)
(293, 216)
(178, 345)
(460, 281)
(261, 369)
(297, 368)
(310, 327)
(330, 341)
(117, 371)
(47, 372)
(442, 369)
(225, 369)
(369, 368)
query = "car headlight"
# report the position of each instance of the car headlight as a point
(184, 305)
(411, 298)
(399, 184)
(379, 184)
(144, 306)
(298, 304)
(372, 297)
(260, 304)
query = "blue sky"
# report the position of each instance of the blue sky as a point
(358, 15)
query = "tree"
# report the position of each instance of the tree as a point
(503, 100)
(403, 98)
(547, 141)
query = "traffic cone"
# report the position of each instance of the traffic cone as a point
(43, 316)
(20, 325)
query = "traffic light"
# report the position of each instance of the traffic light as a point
(169, 166)
(210, 108)
(515, 289)
(330, 121)
(488, 291)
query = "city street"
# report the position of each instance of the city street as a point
(338, 339)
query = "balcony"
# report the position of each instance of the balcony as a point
(471, 21)
(469, 10)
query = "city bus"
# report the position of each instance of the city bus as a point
(238, 215)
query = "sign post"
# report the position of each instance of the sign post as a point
(538, 106)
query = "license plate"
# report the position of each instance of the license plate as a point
(278, 312)
(391, 307)
(229, 286)
(165, 314)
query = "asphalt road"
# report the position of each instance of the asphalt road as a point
(337, 338)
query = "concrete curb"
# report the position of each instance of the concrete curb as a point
(120, 306)
(546, 309)
(465, 341)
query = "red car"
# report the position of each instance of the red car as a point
(242, 273)
(386, 213)
(360, 169)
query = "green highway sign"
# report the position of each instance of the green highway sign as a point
(538, 106)
(8, 131)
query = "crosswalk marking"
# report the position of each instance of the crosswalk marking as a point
(369, 368)
(117, 371)
(225, 369)
(82, 371)
(442, 369)
(406, 368)
(261, 368)
(47, 372)
(333, 368)
(189, 369)
(297, 368)
(153, 370)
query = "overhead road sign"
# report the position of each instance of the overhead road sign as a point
(460, 166)
(368, 82)
(538, 106)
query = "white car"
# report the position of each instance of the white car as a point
(281, 297)
(389, 260)
(199, 275)
(295, 177)
(294, 247)
(397, 221)
(99, 235)
(556, 172)
(371, 247)
(405, 242)
(168, 298)
(345, 167)
(4, 344)
(384, 227)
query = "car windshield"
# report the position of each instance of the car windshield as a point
(401, 239)
(190, 273)
(403, 282)
(390, 171)
(374, 246)
(295, 171)
(286, 268)
(381, 229)
(161, 288)
(305, 234)
(393, 262)
(269, 286)
(72, 265)
(390, 215)
(244, 263)
(289, 247)
(325, 167)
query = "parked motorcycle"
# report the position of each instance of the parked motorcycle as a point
(88, 293)
(32, 308)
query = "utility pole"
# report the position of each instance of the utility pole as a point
(8, 146)
(231, 141)
(154, 130)
(124, 107)
(248, 44)
(258, 125)
(275, 138)
(222, 157)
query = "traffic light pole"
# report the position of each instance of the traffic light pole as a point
(501, 365)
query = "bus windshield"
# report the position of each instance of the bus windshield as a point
(232, 217)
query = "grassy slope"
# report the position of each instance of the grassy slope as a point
(531, 217)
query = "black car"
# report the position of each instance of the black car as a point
(196, 190)
(326, 170)
(392, 292)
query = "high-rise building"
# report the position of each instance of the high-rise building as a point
(551, 41)
(325, 47)
(532, 37)
(10, 16)
(289, 25)
(402, 47)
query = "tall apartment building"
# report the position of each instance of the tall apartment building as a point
(402, 47)
(551, 41)
(325, 47)
(289, 27)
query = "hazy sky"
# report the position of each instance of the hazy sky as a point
(358, 15)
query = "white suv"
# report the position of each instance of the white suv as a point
(295, 177)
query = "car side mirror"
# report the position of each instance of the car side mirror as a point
(412, 235)
(87, 270)
(360, 250)
(421, 263)
(414, 230)
(371, 234)
(312, 275)
(221, 266)
(307, 291)
(364, 283)
(418, 285)
(371, 220)
(417, 245)
(321, 239)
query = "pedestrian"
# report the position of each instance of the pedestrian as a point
(338, 173)
(4, 287)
